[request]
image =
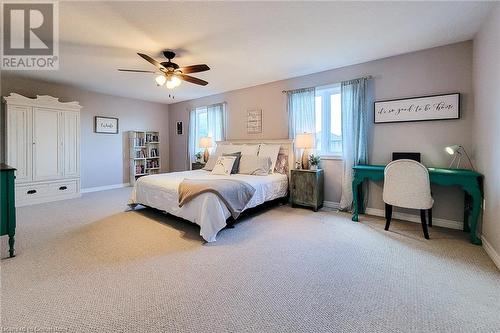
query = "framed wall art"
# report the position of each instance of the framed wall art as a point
(106, 125)
(435, 107)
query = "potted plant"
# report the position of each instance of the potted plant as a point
(199, 157)
(314, 161)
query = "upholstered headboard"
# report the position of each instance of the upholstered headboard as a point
(286, 147)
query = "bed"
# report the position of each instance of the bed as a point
(207, 210)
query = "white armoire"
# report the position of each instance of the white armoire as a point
(43, 144)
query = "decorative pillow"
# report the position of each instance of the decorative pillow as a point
(282, 164)
(248, 149)
(255, 165)
(236, 165)
(212, 159)
(224, 165)
(270, 151)
(244, 149)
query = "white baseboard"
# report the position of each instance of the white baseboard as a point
(104, 188)
(491, 252)
(331, 204)
(416, 218)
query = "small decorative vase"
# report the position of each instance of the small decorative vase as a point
(313, 167)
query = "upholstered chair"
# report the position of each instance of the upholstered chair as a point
(406, 184)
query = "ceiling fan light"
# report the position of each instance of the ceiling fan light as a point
(176, 81)
(160, 80)
(173, 82)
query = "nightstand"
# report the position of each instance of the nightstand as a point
(307, 188)
(197, 166)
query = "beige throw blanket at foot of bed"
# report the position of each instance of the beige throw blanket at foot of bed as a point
(235, 194)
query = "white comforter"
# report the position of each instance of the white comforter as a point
(207, 210)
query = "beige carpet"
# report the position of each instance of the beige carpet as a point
(86, 265)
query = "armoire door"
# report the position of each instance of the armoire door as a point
(19, 141)
(71, 143)
(47, 147)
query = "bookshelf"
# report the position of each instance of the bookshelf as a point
(144, 154)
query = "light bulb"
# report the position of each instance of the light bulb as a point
(170, 84)
(160, 80)
(176, 81)
(173, 82)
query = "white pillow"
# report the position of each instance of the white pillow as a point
(270, 151)
(243, 149)
(224, 165)
(254, 165)
(247, 149)
(209, 166)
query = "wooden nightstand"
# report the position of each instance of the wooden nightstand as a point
(306, 188)
(197, 166)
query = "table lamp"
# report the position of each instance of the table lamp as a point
(205, 142)
(305, 141)
(457, 151)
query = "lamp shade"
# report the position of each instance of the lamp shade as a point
(452, 149)
(206, 142)
(304, 141)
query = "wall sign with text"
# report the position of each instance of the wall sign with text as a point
(106, 125)
(436, 107)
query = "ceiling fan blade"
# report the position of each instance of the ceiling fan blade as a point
(135, 71)
(152, 61)
(192, 79)
(194, 69)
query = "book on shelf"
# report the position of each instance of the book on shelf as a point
(153, 152)
(152, 137)
(139, 142)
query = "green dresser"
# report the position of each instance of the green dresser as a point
(7, 205)
(306, 188)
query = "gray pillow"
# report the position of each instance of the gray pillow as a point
(236, 165)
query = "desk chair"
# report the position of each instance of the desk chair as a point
(407, 185)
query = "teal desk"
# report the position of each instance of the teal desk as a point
(469, 181)
(7, 205)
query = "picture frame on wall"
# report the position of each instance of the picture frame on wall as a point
(254, 121)
(423, 108)
(179, 128)
(106, 125)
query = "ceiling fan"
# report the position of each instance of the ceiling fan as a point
(169, 72)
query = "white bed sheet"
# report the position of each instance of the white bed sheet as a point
(207, 210)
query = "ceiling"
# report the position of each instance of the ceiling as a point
(244, 43)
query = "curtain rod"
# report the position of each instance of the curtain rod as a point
(369, 77)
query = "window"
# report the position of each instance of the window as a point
(328, 114)
(206, 121)
(201, 126)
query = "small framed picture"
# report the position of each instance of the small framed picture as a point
(179, 128)
(106, 125)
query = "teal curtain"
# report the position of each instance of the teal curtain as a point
(301, 115)
(354, 96)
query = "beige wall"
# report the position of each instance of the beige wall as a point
(438, 70)
(104, 157)
(487, 121)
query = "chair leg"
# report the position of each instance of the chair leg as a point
(424, 223)
(388, 216)
(429, 213)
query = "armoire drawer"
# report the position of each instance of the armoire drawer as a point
(62, 188)
(32, 192)
(29, 192)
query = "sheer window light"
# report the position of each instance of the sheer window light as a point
(328, 113)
